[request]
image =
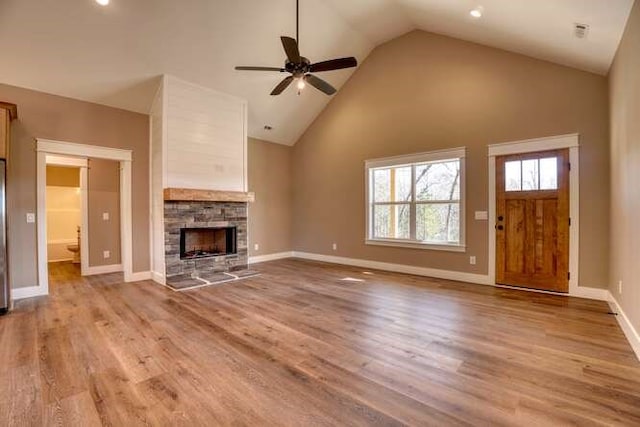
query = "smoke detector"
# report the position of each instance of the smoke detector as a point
(581, 30)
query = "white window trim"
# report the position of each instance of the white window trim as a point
(395, 161)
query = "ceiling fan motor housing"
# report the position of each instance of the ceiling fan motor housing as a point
(299, 69)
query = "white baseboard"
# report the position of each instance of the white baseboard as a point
(625, 324)
(139, 276)
(269, 257)
(158, 278)
(28, 292)
(591, 293)
(480, 279)
(103, 269)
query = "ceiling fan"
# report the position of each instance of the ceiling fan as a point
(301, 68)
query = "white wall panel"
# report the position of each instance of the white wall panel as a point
(206, 138)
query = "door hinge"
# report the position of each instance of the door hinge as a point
(568, 276)
(569, 165)
(569, 222)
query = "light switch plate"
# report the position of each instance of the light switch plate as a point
(482, 215)
(106, 254)
(31, 218)
(105, 216)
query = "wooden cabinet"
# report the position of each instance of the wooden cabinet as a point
(8, 112)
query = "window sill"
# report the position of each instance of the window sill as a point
(416, 245)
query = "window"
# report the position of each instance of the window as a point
(531, 175)
(417, 200)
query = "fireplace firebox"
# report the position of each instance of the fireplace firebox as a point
(207, 242)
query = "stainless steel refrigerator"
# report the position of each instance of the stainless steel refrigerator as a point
(4, 278)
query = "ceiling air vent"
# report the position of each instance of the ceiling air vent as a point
(581, 30)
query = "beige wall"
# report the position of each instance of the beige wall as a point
(47, 116)
(624, 84)
(270, 215)
(103, 182)
(424, 92)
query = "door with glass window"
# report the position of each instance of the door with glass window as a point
(532, 220)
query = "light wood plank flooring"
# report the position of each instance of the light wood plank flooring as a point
(299, 345)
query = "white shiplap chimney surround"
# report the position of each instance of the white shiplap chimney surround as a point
(198, 142)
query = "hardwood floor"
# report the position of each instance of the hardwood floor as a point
(300, 345)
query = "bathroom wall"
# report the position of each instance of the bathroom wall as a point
(63, 211)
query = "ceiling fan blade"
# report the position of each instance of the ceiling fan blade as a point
(282, 86)
(291, 49)
(334, 64)
(320, 84)
(260, 69)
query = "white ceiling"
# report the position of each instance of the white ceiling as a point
(113, 55)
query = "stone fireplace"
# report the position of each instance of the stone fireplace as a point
(203, 237)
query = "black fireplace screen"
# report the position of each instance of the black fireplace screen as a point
(207, 242)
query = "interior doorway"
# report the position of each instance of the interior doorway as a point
(65, 194)
(532, 220)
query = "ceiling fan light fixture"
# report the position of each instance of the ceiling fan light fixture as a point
(301, 83)
(102, 2)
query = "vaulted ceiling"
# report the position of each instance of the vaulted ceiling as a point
(113, 55)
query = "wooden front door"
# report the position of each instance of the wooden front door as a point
(532, 220)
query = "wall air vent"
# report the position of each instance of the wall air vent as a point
(581, 30)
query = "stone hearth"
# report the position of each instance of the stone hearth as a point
(203, 214)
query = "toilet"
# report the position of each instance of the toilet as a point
(75, 249)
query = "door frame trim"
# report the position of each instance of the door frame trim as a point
(570, 141)
(46, 147)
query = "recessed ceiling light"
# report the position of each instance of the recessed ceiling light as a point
(477, 12)
(102, 2)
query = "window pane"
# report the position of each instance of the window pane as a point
(438, 181)
(391, 221)
(438, 223)
(512, 176)
(530, 175)
(382, 185)
(549, 173)
(402, 184)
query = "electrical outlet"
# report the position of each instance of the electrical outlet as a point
(105, 216)
(31, 218)
(620, 287)
(335, 246)
(472, 260)
(256, 247)
(106, 254)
